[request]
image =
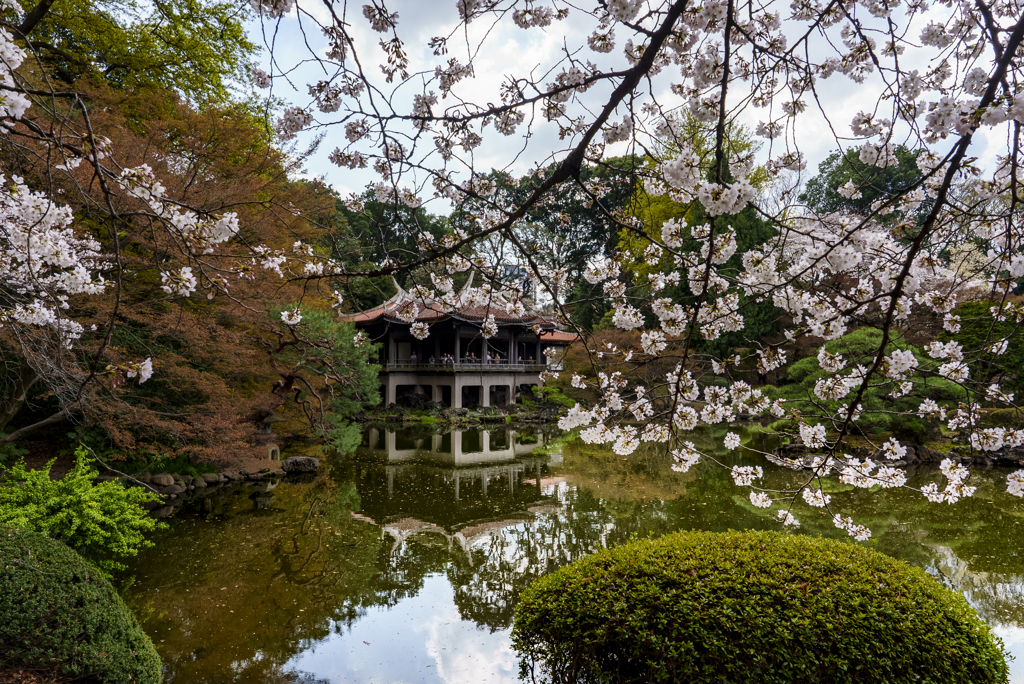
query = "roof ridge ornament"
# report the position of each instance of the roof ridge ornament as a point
(465, 288)
(398, 298)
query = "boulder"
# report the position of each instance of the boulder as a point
(162, 512)
(162, 480)
(172, 489)
(198, 483)
(300, 464)
(187, 479)
(278, 473)
(210, 478)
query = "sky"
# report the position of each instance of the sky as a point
(509, 49)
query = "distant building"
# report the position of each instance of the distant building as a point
(456, 364)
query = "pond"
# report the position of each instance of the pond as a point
(403, 561)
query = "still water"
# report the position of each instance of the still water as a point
(403, 561)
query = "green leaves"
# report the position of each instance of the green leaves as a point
(750, 606)
(99, 521)
(195, 47)
(874, 183)
(59, 615)
(332, 368)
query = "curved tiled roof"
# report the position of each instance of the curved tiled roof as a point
(433, 311)
(558, 336)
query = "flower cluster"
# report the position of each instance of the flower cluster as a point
(43, 262)
(956, 484)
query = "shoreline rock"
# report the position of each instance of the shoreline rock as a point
(300, 464)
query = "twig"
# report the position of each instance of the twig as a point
(100, 460)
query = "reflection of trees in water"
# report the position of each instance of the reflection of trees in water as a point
(401, 571)
(307, 567)
(507, 559)
(998, 597)
(978, 538)
(234, 597)
(506, 562)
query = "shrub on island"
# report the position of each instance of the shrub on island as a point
(750, 607)
(61, 616)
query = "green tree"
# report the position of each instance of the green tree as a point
(570, 227)
(390, 230)
(760, 317)
(196, 47)
(103, 521)
(323, 366)
(873, 182)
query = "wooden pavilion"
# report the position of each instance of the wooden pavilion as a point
(456, 365)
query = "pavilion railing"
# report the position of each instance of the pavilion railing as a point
(467, 367)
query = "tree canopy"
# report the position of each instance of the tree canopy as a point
(198, 48)
(869, 183)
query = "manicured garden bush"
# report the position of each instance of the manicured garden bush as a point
(750, 607)
(60, 615)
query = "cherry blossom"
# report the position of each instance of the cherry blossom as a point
(415, 127)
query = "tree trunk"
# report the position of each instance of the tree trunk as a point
(33, 18)
(15, 399)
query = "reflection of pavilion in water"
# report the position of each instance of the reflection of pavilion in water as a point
(457, 448)
(463, 485)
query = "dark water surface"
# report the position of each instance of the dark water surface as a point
(403, 561)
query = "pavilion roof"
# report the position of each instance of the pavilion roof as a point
(558, 336)
(397, 308)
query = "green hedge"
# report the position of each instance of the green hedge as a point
(750, 607)
(60, 614)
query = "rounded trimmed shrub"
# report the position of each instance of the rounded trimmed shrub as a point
(750, 607)
(60, 614)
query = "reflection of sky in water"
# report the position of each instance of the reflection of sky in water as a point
(1013, 639)
(422, 639)
(408, 572)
